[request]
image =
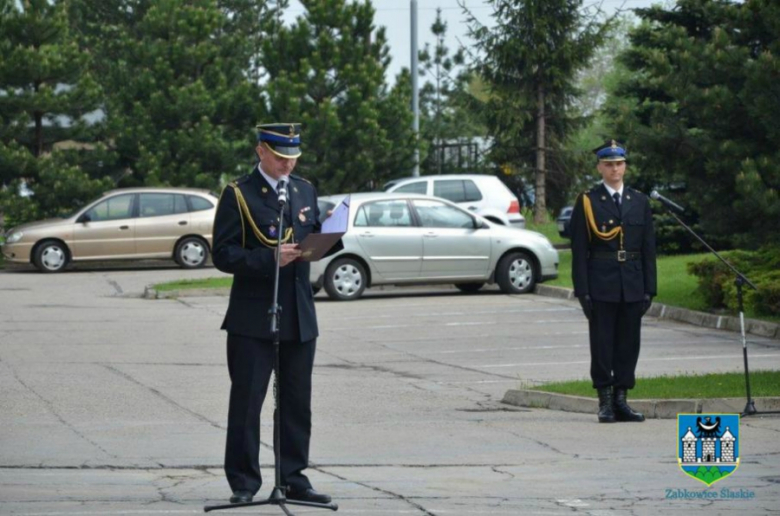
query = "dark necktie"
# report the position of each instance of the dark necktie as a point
(616, 196)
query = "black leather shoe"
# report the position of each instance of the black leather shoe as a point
(241, 497)
(308, 495)
(623, 411)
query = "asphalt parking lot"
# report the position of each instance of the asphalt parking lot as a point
(116, 405)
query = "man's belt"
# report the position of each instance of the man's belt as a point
(620, 256)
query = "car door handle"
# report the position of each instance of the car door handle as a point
(367, 235)
(430, 235)
(122, 228)
(472, 208)
(182, 222)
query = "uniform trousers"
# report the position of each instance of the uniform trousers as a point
(614, 343)
(250, 364)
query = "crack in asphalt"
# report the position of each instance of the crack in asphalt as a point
(50, 407)
(163, 397)
(392, 494)
(117, 287)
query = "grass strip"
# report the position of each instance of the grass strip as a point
(196, 283)
(716, 385)
(675, 286)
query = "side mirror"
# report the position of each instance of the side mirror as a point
(481, 224)
(84, 218)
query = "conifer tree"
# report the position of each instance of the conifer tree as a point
(327, 70)
(702, 108)
(182, 85)
(529, 60)
(46, 89)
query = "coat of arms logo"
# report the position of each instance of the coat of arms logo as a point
(708, 445)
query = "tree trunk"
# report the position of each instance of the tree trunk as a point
(540, 204)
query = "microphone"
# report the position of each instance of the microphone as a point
(281, 189)
(666, 202)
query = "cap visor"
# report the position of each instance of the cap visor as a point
(284, 152)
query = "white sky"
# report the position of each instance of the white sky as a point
(395, 16)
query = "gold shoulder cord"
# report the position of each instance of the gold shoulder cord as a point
(240, 214)
(594, 229)
(245, 213)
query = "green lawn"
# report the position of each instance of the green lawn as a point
(548, 229)
(726, 385)
(675, 286)
(198, 283)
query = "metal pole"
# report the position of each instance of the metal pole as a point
(415, 91)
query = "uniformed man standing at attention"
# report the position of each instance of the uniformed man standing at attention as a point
(614, 274)
(246, 230)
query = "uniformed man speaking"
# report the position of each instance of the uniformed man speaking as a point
(614, 274)
(246, 231)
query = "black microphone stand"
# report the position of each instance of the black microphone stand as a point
(278, 495)
(740, 281)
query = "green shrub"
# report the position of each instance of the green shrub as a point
(717, 283)
(766, 300)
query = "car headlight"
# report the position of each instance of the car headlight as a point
(14, 237)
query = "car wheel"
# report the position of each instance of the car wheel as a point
(191, 253)
(51, 256)
(469, 287)
(345, 279)
(516, 273)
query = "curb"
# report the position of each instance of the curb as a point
(151, 293)
(655, 409)
(674, 313)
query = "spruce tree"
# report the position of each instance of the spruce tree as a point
(46, 88)
(446, 120)
(529, 60)
(327, 70)
(702, 106)
(182, 85)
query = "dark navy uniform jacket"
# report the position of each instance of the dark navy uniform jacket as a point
(245, 245)
(608, 279)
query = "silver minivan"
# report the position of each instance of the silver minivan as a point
(482, 194)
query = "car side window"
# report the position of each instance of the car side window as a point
(418, 187)
(199, 203)
(114, 208)
(180, 204)
(435, 214)
(450, 189)
(384, 214)
(156, 204)
(472, 193)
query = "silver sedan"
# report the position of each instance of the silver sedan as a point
(406, 239)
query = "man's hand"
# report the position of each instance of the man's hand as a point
(289, 253)
(587, 305)
(647, 303)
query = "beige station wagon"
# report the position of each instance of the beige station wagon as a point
(124, 224)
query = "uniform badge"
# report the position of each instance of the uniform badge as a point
(272, 231)
(265, 190)
(302, 217)
(603, 197)
(295, 189)
(302, 213)
(708, 445)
